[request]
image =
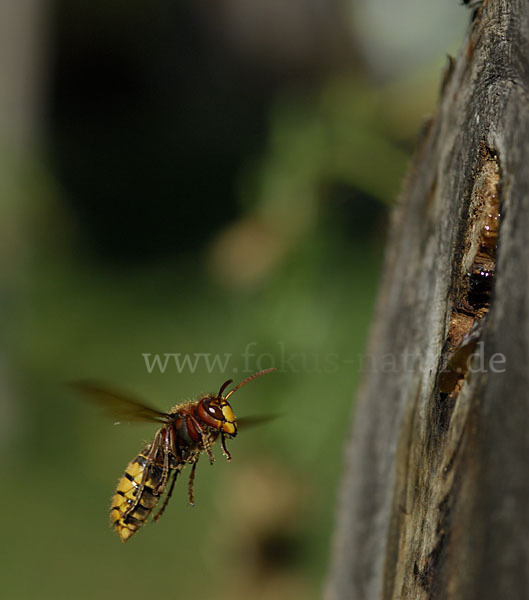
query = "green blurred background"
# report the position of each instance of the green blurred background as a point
(201, 179)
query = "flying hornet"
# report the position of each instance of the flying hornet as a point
(188, 430)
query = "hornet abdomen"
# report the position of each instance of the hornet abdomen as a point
(129, 511)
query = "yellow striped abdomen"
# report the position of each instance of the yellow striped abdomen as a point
(125, 517)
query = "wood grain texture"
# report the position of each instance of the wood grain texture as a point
(435, 498)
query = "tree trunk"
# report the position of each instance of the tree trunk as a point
(435, 499)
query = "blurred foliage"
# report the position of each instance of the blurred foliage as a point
(186, 202)
(318, 171)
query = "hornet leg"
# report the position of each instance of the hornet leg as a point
(141, 486)
(190, 485)
(224, 449)
(165, 502)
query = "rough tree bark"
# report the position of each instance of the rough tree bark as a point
(435, 500)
